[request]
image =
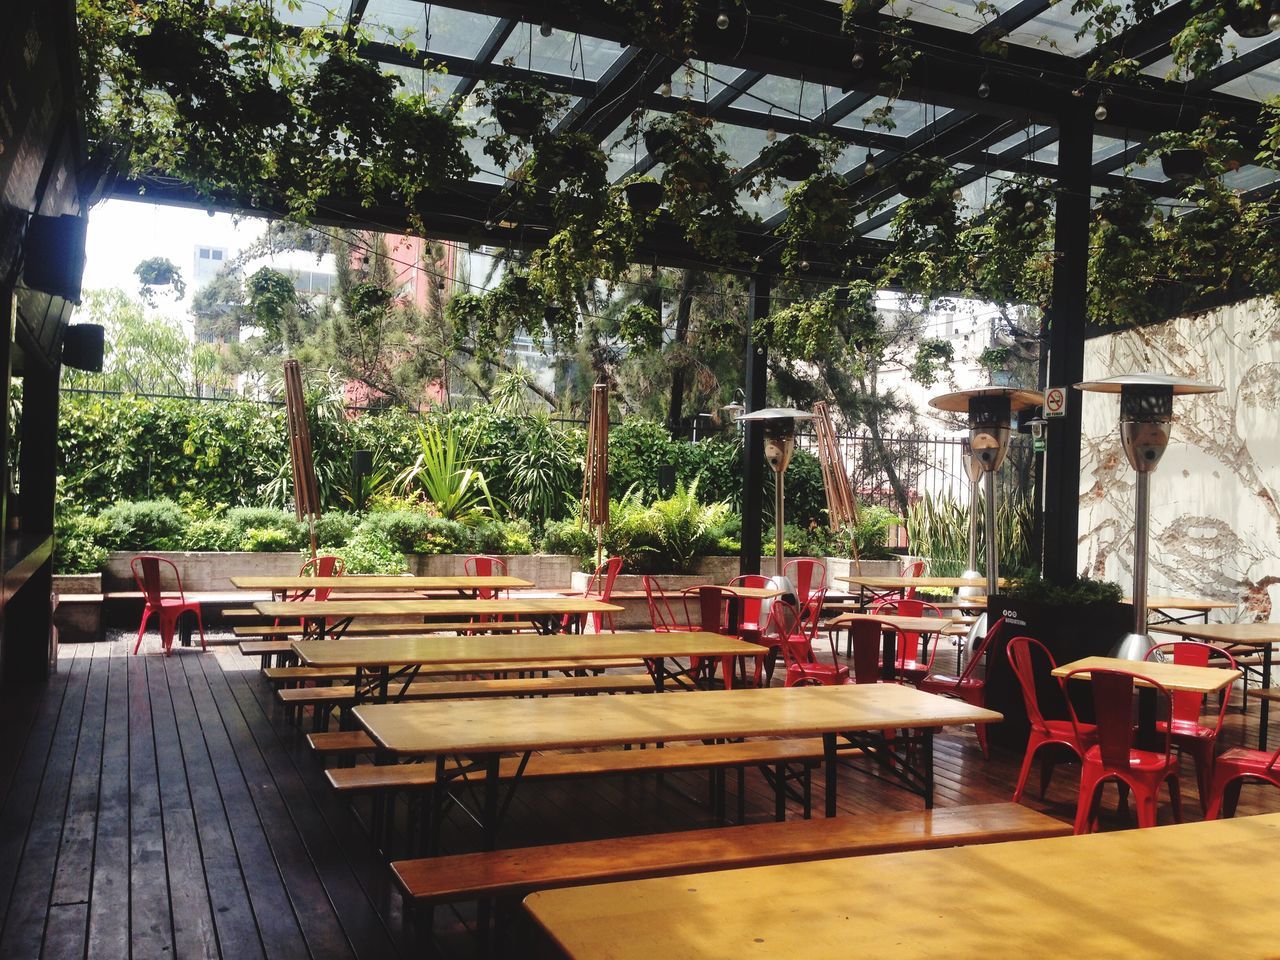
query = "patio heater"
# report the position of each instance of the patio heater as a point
(990, 410)
(1146, 413)
(779, 443)
(972, 469)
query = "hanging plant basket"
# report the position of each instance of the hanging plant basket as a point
(266, 106)
(172, 53)
(1183, 163)
(915, 176)
(794, 159)
(1248, 21)
(517, 115)
(643, 196)
(659, 142)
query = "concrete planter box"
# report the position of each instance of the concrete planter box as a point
(78, 622)
(842, 567)
(212, 571)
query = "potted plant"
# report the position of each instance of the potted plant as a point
(520, 109)
(1083, 618)
(1249, 18)
(795, 158)
(644, 194)
(917, 176)
(1183, 163)
(173, 53)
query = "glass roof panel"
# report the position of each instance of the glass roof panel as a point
(1150, 170)
(562, 53)
(788, 97)
(1104, 147)
(310, 13)
(1018, 139)
(1250, 177)
(453, 32)
(909, 116)
(768, 205)
(703, 81)
(963, 15)
(1258, 84)
(438, 87)
(743, 144)
(1232, 47)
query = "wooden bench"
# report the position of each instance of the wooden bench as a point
(324, 699)
(384, 629)
(513, 874)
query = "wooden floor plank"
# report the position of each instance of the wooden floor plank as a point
(33, 883)
(194, 936)
(228, 895)
(280, 935)
(109, 896)
(150, 915)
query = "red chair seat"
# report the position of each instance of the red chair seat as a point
(1140, 761)
(1189, 729)
(1230, 771)
(824, 673)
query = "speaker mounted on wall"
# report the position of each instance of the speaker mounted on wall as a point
(83, 345)
(53, 255)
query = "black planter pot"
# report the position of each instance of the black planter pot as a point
(794, 160)
(1069, 632)
(266, 106)
(1250, 21)
(644, 196)
(659, 142)
(1182, 164)
(171, 54)
(519, 118)
(914, 184)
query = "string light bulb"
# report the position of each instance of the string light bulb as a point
(722, 18)
(984, 88)
(665, 89)
(1029, 207)
(1273, 21)
(771, 134)
(804, 266)
(870, 168)
(1100, 111)
(545, 29)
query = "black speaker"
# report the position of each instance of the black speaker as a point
(666, 480)
(53, 255)
(82, 346)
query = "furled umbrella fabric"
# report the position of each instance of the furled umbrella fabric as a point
(842, 508)
(595, 473)
(306, 493)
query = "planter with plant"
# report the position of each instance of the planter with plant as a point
(644, 194)
(1084, 618)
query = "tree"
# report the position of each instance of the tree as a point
(219, 308)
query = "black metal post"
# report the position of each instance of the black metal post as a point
(755, 368)
(1065, 322)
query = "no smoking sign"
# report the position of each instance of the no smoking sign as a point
(1055, 402)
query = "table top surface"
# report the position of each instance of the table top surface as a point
(518, 648)
(755, 593)
(895, 583)
(1186, 603)
(511, 726)
(459, 608)
(368, 582)
(909, 624)
(1104, 895)
(1248, 634)
(1173, 676)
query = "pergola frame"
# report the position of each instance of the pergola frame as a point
(802, 40)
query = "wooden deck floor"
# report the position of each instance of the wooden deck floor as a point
(159, 807)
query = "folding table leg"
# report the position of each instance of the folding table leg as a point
(829, 758)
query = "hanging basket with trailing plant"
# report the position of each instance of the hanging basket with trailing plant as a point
(1250, 18)
(1183, 164)
(916, 176)
(795, 159)
(174, 53)
(519, 109)
(644, 194)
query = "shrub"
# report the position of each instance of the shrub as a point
(686, 528)
(415, 531)
(75, 543)
(502, 538)
(268, 540)
(144, 525)
(569, 538)
(1078, 592)
(214, 533)
(244, 519)
(370, 553)
(334, 529)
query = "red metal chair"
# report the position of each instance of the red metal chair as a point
(968, 687)
(146, 573)
(803, 668)
(600, 587)
(1114, 757)
(1189, 734)
(808, 576)
(660, 613)
(1231, 770)
(1069, 734)
(909, 666)
(481, 565)
(713, 604)
(913, 569)
(862, 647)
(750, 609)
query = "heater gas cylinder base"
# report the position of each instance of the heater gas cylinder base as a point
(1132, 646)
(972, 591)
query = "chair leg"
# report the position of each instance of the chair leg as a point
(986, 749)
(1202, 754)
(142, 629)
(1033, 745)
(1231, 797)
(1087, 802)
(1175, 796)
(200, 623)
(1048, 762)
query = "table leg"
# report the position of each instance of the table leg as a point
(829, 759)
(926, 759)
(1264, 713)
(727, 665)
(1146, 737)
(491, 785)
(436, 814)
(888, 655)
(384, 675)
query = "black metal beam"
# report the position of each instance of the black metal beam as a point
(499, 35)
(1064, 326)
(1237, 67)
(622, 89)
(755, 374)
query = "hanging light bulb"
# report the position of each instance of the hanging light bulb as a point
(771, 134)
(722, 18)
(545, 29)
(984, 88)
(489, 224)
(858, 60)
(1273, 21)
(1029, 207)
(870, 168)
(665, 89)
(804, 266)
(1100, 111)
(957, 195)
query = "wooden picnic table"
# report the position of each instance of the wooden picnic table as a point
(871, 589)
(280, 585)
(1259, 635)
(1172, 676)
(1193, 607)
(750, 593)
(382, 661)
(332, 616)
(1064, 897)
(477, 733)
(918, 625)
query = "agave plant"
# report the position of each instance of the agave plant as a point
(938, 529)
(444, 474)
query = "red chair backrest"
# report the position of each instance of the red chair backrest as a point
(324, 566)
(1113, 711)
(749, 608)
(1187, 704)
(980, 651)
(908, 640)
(807, 575)
(783, 626)
(913, 569)
(146, 573)
(485, 566)
(864, 637)
(1020, 652)
(601, 583)
(811, 612)
(711, 608)
(660, 614)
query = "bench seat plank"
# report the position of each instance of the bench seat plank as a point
(457, 689)
(386, 629)
(522, 871)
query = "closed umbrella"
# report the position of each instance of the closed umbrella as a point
(306, 494)
(595, 471)
(842, 508)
